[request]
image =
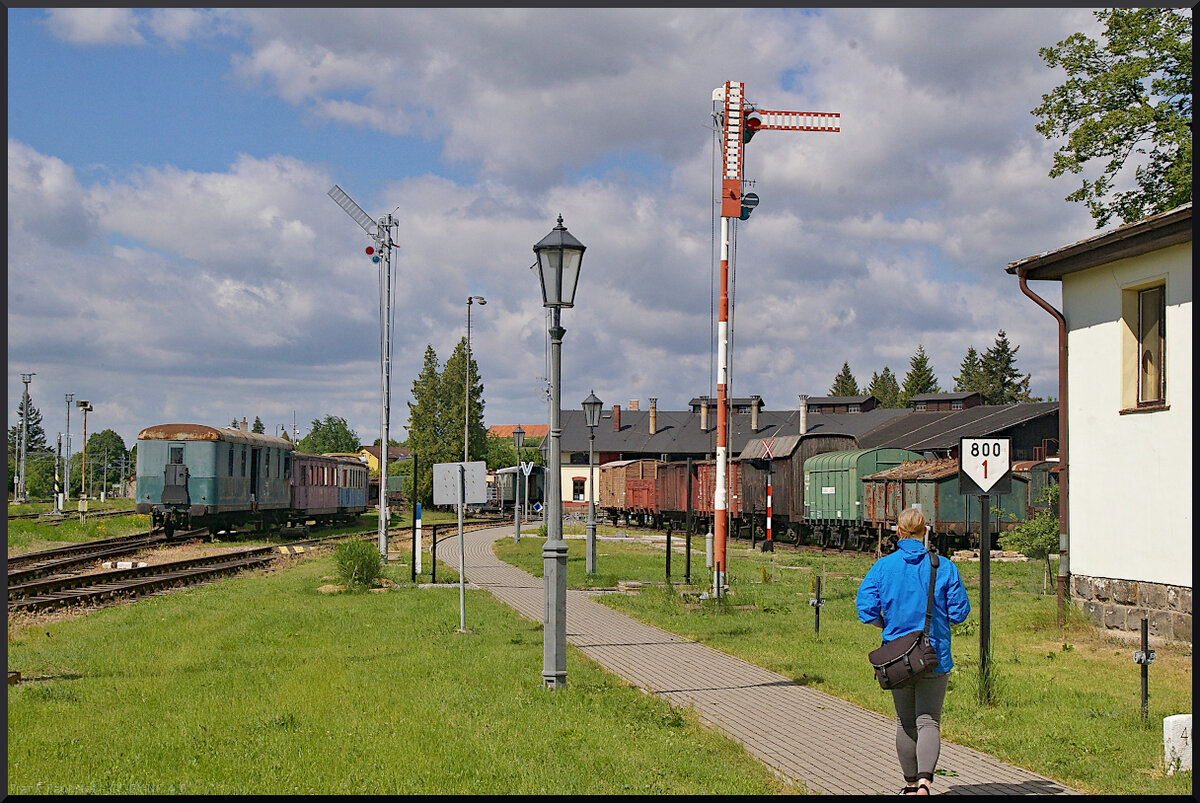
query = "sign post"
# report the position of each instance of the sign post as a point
(985, 466)
(462, 484)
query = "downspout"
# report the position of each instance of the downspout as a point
(1064, 542)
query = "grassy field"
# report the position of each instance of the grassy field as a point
(264, 685)
(1065, 701)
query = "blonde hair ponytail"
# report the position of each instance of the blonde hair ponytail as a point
(911, 524)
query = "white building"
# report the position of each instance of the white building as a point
(1127, 305)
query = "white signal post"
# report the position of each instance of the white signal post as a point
(381, 232)
(738, 123)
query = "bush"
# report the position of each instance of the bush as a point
(358, 563)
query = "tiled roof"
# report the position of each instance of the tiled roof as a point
(506, 430)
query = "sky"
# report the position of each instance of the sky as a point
(173, 256)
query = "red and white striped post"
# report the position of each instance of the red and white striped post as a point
(734, 111)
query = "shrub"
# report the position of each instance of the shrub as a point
(358, 563)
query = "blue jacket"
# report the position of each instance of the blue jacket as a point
(896, 589)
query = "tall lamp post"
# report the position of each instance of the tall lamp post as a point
(559, 256)
(518, 441)
(591, 416)
(480, 300)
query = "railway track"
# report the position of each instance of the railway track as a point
(52, 518)
(29, 588)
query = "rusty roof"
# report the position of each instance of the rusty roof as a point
(201, 432)
(936, 469)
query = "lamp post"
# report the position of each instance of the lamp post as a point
(559, 256)
(467, 380)
(518, 441)
(591, 416)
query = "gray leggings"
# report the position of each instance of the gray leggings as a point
(918, 725)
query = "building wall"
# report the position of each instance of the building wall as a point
(1130, 474)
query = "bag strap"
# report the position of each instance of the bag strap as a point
(933, 566)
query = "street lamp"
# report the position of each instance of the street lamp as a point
(480, 300)
(591, 416)
(559, 256)
(518, 441)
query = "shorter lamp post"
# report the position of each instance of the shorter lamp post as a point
(518, 441)
(559, 256)
(591, 416)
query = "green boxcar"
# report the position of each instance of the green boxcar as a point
(833, 482)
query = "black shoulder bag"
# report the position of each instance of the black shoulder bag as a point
(901, 661)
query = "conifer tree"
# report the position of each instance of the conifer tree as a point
(844, 384)
(885, 388)
(970, 377)
(453, 386)
(1002, 381)
(258, 426)
(919, 379)
(425, 426)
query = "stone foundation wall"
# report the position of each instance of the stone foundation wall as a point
(1122, 604)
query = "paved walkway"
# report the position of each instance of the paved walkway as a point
(825, 743)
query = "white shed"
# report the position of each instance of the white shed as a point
(1127, 305)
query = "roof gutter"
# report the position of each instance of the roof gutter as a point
(1064, 541)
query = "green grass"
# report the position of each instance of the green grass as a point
(263, 685)
(30, 535)
(1066, 701)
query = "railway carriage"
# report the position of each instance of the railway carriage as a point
(834, 509)
(191, 475)
(327, 489)
(933, 484)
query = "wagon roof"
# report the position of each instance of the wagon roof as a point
(201, 432)
(782, 447)
(936, 469)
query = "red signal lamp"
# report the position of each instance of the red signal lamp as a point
(751, 128)
(370, 250)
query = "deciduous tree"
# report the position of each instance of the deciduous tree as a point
(1127, 99)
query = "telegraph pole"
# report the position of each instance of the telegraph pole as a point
(22, 492)
(740, 121)
(67, 458)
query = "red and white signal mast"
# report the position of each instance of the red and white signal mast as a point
(741, 121)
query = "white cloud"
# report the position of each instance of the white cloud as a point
(95, 26)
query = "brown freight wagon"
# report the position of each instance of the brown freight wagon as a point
(788, 454)
(629, 488)
(706, 474)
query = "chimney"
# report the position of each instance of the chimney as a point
(755, 403)
(653, 415)
(635, 404)
(244, 427)
(704, 414)
(803, 413)
(616, 418)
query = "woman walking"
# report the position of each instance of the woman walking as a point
(894, 596)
